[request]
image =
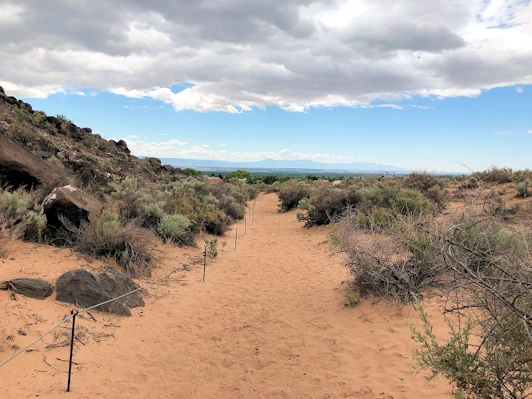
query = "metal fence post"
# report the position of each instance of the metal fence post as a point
(204, 262)
(74, 313)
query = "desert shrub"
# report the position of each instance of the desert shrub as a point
(398, 265)
(89, 140)
(402, 201)
(173, 228)
(489, 312)
(375, 219)
(272, 188)
(211, 247)
(469, 184)
(496, 208)
(291, 192)
(352, 298)
(236, 211)
(495, 175)
(522, 175)
(9, 230)
(19, 207)
(138, 203)
(22, 133)
(522, 189)
(105, 235)
(329, 203)
(103, 145)
(422, 181)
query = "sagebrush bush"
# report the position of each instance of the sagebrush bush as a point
(20, 208)
(105, 235)
(291, 192)
(329, 203)
(495, 175)
(402, 201)
(173, 227)
(522, 188)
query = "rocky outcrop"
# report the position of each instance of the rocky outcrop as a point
(169, 168)
(70, 202)
(29, 287)
(86, 289)
(19, 167)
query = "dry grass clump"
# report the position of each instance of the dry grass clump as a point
(104, 235)
(9, 230)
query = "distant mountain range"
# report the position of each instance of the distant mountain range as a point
(274, 164)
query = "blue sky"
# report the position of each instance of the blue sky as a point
(491, 129)
(420, 85)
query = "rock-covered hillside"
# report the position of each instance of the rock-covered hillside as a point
(28, 138)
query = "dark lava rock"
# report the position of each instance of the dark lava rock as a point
(86, 289)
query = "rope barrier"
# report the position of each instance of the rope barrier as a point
(37, 340)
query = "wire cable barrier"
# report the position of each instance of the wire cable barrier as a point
(140, 288)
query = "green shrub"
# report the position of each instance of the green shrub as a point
(236, 211)
(522, 188)
(105, 235)
(89, 140)
(212, 247)
(173, 227)
(375, 219)
(291, 192)
(330, 203)
(495, 175)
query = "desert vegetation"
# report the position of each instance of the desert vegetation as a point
(400, 242)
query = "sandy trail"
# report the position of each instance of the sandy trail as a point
(268, 323)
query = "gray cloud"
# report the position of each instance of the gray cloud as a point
(238, 54)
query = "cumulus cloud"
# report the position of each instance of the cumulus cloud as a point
(294, 54)
(178, 149)
(424, 107)
(519, 90)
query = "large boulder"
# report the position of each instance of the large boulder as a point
(71, 203)
(19, 167)
(122, 146)
(86, 289)
(30, 287)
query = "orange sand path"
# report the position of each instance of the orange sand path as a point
(268, 323)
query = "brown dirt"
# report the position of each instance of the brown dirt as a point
(268, 323)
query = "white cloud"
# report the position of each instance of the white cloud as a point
(519, 90)
(296, 54)
(178, 149)
(128, 106)
(205, 146)
(225, 145)
(79, 93)
(530, 132)
(131, 136)
(424, 107)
